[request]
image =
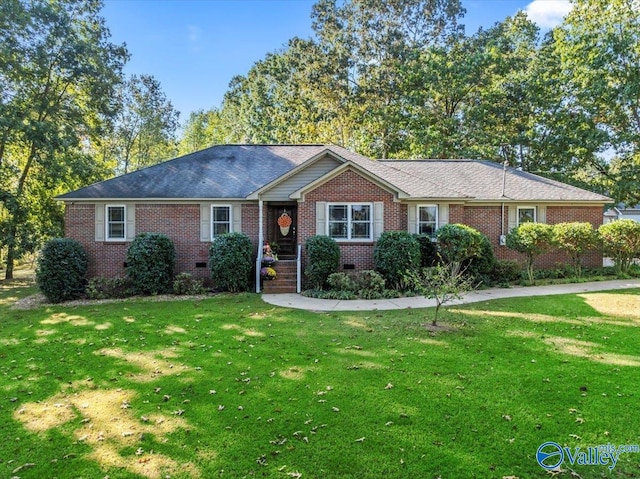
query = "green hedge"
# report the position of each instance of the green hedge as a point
(150, 261)
(61, 270)
(395, 254)
(231, 262)
(323, 259)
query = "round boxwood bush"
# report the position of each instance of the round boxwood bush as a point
(621, 242)
(395, 254)
(231, 262)
(323, 259)
(459, 242)
(482, 265)
(61, 270)
(150, 261)
(428, 251)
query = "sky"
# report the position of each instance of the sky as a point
(195, 47)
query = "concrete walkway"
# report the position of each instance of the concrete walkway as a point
(298, 301)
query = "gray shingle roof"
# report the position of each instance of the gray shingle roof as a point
(235, 171)
(224, 171)
(483, 180)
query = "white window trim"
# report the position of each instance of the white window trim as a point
(433, 238)
(107, 222)
(535, 213)
(213, 222)
(349, 223)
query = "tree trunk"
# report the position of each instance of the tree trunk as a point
(10, 253)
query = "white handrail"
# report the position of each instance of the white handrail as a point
(299, 270)
(258, 268)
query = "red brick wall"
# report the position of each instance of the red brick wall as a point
(486, 219)
(250, 220)
(347, 187)
(181, 223)
(563, 214)
(105, 258)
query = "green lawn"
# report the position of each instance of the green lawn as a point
(232, 387)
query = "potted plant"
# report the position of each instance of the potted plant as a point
(268, 273)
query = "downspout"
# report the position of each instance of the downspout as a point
(504, 185)
(260, 243)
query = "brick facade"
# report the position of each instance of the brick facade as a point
(349, 187)
(181, 223)
(486, 219)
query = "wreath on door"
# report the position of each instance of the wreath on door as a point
(284, 222)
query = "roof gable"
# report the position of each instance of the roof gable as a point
(350, 165)
(307, 172)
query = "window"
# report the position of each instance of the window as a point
(526, 214)
(427, 220)
(220, 220)
(350, 221)
(116, 223)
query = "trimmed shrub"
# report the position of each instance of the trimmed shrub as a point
(150, 261)
(341, 282)
(231, 262)
(186, 284)
(621, 242)
(108, 288)
(482, 265)
(576, 239)
(61, 270)
(506, 271)
(428, 251)
(457, 242)
(396, 253)
(323, 255)
(532, 240)
(369, 280)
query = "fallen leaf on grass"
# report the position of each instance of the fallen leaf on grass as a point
(506, 417)
(24, 466)
(389, 386)
(579, 420)
(360, 439)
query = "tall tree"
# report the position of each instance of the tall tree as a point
(342, 86)
(144, 130)
(201, 130)
(58, 71)
(598, 57)
(371, 40)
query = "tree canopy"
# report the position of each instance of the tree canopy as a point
(386, 78)
(58, 72)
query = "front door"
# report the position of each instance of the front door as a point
(283, 228)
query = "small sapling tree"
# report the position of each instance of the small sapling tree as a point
(444, 283)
